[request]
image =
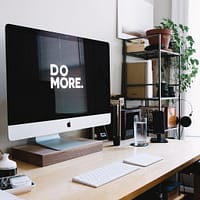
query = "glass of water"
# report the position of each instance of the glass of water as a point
(140, 132)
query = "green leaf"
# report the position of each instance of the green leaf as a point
(183, 44)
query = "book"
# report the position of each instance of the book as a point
(8, 196)
(170, 117)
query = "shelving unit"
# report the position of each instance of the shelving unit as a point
(157, 54)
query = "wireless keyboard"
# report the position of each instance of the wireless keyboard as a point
(105, 174)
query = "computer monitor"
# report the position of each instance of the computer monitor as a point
(55, 83)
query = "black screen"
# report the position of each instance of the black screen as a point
(54, 76)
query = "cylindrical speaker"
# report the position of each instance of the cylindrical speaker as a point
(116, 120)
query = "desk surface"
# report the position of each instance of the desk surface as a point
(55, 181)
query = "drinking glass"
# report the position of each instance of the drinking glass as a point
(140, 132)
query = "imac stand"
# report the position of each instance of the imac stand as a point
(54, 150)
(58, 143)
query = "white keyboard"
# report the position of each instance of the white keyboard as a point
(105, 174)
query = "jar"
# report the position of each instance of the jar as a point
(7, 167)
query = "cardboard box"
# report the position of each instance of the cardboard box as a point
(135, 46)
(136, 92)
(139, 74)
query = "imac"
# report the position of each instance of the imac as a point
(55, 83)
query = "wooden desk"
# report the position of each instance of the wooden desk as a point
(54, 182)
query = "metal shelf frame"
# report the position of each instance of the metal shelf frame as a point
(158, 54)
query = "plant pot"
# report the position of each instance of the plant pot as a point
(154, 40)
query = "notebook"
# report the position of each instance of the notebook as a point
(143, 160)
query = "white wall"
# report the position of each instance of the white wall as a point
(130, 15)
(162, 9)
(192, 94)
(94, 19)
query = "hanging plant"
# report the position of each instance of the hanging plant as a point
(183, 43)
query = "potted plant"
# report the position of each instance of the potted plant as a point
(153, 37)
(183, 43)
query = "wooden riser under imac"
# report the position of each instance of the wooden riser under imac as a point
(43, 156)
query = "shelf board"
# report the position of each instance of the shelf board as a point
(147, 84)
(168, 98)
(171, 129)
(149, 54)
(153, 98)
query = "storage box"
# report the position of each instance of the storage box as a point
(136, 92)
(135, 46)
(139, 80)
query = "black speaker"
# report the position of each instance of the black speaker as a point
(158, 121)
(158, 126)
(114, 127)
